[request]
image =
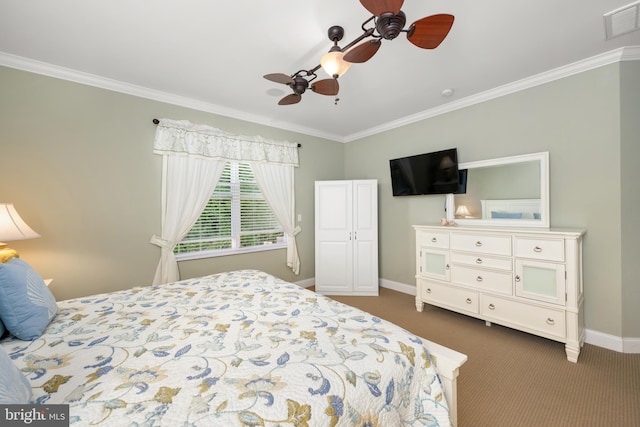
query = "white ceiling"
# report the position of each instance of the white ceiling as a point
(211, 55)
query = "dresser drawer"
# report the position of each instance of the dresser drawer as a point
(485, 280)
(547, 249)
(478, 260)
(481, 243)
(462, 300)
(433, 239)
(538, 320)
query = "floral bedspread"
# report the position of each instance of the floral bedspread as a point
(240, 348)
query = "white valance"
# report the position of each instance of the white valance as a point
(183, 137)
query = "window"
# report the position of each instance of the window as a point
(236, 219)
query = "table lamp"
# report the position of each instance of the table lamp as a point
(462, 211)
(12, 227)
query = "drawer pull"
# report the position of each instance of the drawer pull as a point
(479, 261)
(479, 279)
(492, 307)
(537, 249)
(550, 321)
(478, 243)
(468, 301)
(517, 278)
(428, 290)
(433, 240)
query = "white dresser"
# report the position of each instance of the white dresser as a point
(526, 279)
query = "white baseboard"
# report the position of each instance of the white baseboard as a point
(397, 286)
(631, 345)
(306, 283)
(612, 342)
(600, 339)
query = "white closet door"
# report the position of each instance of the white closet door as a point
(346, 237)
(365, 229)
(334, 234)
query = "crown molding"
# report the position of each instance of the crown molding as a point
(75, 76)
(629, 53)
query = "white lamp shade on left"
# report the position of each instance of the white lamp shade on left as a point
(12, 227)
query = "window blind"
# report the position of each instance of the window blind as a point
(236, 217)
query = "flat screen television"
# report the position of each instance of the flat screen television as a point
(428, 173)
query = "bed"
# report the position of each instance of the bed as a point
(237, 348)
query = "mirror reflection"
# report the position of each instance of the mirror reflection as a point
(506, 191)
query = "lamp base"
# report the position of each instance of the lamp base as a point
(7, 254)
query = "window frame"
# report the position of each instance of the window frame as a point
(235, 226)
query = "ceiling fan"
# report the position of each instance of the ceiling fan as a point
(299, 83)
(388, 23)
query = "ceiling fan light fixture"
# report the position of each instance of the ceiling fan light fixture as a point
(333, 63)
(388, 22)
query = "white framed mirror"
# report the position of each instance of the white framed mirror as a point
(507, 191)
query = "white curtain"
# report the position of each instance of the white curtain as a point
(276, 184)
(195, 156)
(189, 183)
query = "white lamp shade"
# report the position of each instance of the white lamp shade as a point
(333, 64)
(462, 211)
(12, 227)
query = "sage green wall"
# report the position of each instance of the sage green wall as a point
(576, 119)
(77, 163)
(630, 215)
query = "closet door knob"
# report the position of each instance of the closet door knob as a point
(517, 278)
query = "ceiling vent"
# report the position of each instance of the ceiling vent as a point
(622, 20)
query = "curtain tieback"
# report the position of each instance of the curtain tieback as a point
(296, 231)
(159, 241)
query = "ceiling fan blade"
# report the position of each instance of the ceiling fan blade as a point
(429, 32)
(294, 98)
(378, 7)
(363, 52)
(279, 78)
(326, 87)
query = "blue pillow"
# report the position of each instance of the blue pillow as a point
(26, 304)
(14, 387)
(495, 214)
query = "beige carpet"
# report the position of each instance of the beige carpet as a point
(516, 379)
